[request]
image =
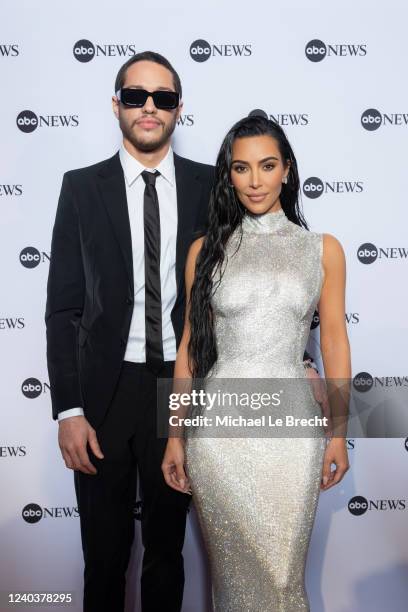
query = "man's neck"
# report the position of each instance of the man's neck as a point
(149, 159)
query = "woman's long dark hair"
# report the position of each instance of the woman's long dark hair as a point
(225, 215)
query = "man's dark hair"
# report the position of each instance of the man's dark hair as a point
(149, 56)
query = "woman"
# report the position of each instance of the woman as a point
(253, 283)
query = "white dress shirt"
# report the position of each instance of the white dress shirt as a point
(167, 196)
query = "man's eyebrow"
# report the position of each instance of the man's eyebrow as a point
(155, 89)
(261, 161)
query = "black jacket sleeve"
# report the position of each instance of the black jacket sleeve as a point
(201, 227)
(65, 299)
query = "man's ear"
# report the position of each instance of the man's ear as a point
(179, 109)
(115, 106)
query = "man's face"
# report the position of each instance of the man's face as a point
(147, 128)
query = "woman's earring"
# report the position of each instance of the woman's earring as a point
(285, 180)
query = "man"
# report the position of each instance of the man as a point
(114, 316)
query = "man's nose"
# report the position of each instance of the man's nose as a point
(149, 106)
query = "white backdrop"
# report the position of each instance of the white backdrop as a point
(259, 56)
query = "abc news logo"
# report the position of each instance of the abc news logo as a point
(9, 50)
(352, 318)
(84, 50)
(12, 323)
(201, 50)
(30, 257)
(13, 451)
(27, 121)
(185, 121)
(363, 382)
(313, 187)
(32, 388)
(11, 190)
(372, 119)
(283, 119)
(359, 505)
(32, 513)
(367, 253)
(316, 50)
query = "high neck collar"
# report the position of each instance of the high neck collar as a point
(264, 223)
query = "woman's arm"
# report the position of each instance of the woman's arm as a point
(335, 349)
(173, 460)
(334, 341)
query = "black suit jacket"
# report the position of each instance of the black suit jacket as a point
(90, 285)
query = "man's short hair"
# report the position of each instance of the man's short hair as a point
(149, 56)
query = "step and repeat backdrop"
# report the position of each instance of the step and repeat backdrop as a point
(333, 75)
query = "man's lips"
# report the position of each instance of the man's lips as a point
(148, 123)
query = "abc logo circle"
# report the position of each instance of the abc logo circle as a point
(31, 388)
(258, 112)
(32, 513)
(313, 187)
(315, 50)
(30, 257)
(84, 50)
(367, 253)
(362, 382)
(315, 320)
(27, 121)
(371, 119)
(406, 444)
(200, 50)
(358, 505)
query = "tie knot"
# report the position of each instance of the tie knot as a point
(150, 177)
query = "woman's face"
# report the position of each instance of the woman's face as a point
(257, 172)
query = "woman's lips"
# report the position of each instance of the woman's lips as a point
(259, 197)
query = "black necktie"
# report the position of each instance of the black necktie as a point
(153, 306)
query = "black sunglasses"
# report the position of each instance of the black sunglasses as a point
(164, 100)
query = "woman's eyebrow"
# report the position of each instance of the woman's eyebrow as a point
(262, 161)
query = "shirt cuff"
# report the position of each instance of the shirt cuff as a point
(65, 414)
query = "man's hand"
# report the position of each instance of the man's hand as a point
(73, 435)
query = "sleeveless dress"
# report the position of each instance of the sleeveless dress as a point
(256, 497)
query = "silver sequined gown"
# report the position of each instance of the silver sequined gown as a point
(256, 498)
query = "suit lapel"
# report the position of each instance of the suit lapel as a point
(113, 192)
(188, 197)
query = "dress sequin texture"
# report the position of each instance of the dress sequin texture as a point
(256, 498)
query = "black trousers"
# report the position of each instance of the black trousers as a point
(129, 441)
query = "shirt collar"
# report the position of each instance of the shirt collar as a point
(132, 168)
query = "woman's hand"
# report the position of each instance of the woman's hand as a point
(336, 452)
(173, 466)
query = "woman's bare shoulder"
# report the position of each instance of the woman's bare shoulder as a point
(333, 252)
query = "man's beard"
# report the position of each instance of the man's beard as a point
(153, 145)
